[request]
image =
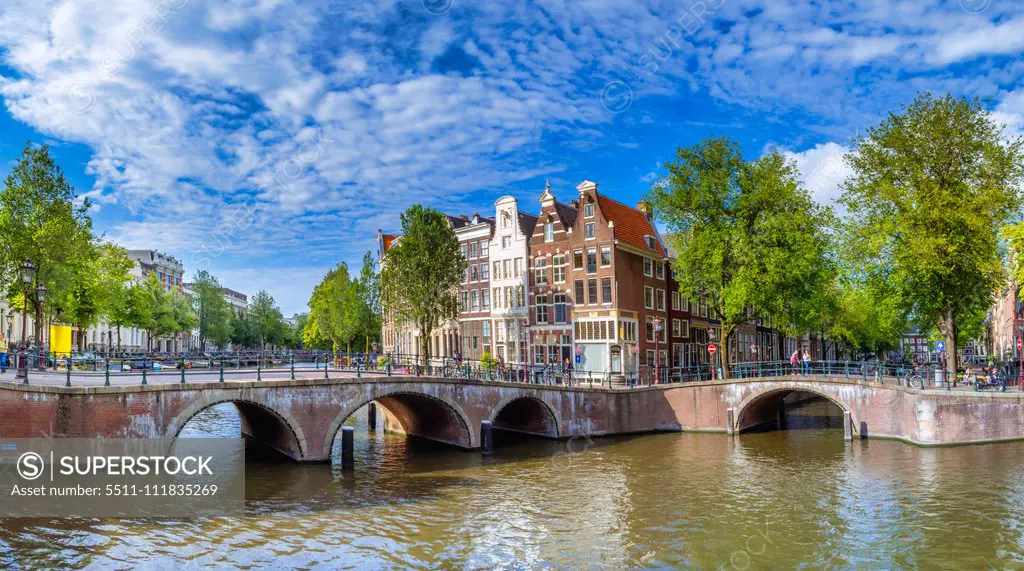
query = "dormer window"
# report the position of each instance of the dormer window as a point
(650, 242)
(506, 219)
(588, 210)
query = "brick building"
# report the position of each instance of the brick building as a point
(474, 321)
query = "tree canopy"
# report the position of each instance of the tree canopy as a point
(749, 238)
(931, 188)
(421, 273)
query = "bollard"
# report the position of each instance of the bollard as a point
(222, 370)
(325, 369)
(371, 416)
(106, 372)
(486, 437)
(293, 367)
(68, 383)
(847, 426)
(182, 365)
(387, 366)
(730, 421)
(348, 461)
(144, 372)
(359, 374)
(259, 369)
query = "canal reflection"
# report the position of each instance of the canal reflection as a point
(766, 500)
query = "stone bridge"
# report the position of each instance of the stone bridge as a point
(301, 418)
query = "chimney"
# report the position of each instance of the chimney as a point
(644, 207)
(476, 218)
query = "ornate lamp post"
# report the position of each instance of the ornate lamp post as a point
(40, 298)
(28, 274)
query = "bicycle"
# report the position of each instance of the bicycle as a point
(915, 379)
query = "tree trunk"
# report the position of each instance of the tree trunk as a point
(724, 352)
(425, 345)
(949, 330)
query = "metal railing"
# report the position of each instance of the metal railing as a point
(282, 365)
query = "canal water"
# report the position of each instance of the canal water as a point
(796, 499)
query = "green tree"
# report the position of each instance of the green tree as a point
(129, 309)
(335, 311)
(265, 319)
(750, 239)
(40, 221)
(931, 188)
(421, 273)
(369, 309)
(157, 309)
(242, 332)
(212, 311)
(185, 319)
(100, 281)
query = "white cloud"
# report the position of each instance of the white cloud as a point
(822, 170)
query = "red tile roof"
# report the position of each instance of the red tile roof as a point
(388, 239)
(631, 225)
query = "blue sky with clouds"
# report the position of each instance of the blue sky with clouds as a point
(267, 140)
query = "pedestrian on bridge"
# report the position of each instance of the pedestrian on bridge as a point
(794, 360)
(807, 362)
(4, 346)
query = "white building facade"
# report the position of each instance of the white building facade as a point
(509, 251)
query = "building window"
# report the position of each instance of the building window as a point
(506, 242)
(649, 333)
(465, 274)
(558, 269)
(561, 309)
(661, 300)
(675, 301)
(577, 259)
(484, 248)
(472, 250)
(606, 256)
(606, 290)
(497, 270)
(591, 261)
(519, 268)
(506, 267)
(659, 270)
(592, 291)
(549, 231)
(649, 297)
(485, 271)
(474, 301)
(685, 304)
(464, 302)
(588, 210)
(541, 307)
(474, 273)
(506, 219)
(650, 242)
(588, 231)
(520, 297)
(497, 297)
(486, 302)
(540, 271)
(648, 267)
(538, 354)
(677, 330)
(510, 300)
(578, 286)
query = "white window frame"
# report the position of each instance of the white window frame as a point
(648, 267)
(591, 229)
(648, 297)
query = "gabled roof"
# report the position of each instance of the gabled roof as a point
(566, 213)
(631, 225)
(527, 222)
(388, 240)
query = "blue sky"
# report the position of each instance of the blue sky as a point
(267, 140)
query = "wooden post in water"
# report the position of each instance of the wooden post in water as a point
(486, 437)
(847, 425)
(371, 416)
(730, 421)
(348, 461)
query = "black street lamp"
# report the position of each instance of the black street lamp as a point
(28, 274)
(40, 298)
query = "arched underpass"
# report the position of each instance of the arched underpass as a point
(263, 429)
(526, 415)
(790, 410)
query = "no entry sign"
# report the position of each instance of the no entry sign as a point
(1020, 344)
(712, 349)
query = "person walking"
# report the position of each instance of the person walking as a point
(794, 360)
(4, 347)
(567, 372)
(807, 362)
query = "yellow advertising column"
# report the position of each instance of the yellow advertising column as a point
(60, 339)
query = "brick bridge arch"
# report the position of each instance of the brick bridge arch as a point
(748, 410)
(402, 405)
(261, 421)
(535, 416)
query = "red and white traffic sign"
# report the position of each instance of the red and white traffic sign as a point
(712, 349)
(1020, 344)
